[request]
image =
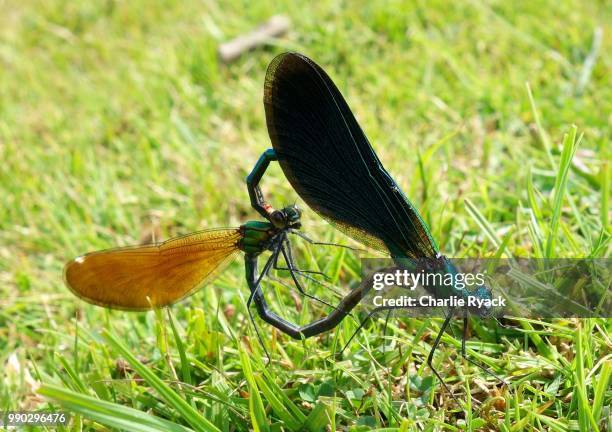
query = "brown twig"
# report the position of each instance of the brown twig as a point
(275, 26)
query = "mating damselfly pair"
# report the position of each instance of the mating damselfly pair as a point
(331, 165)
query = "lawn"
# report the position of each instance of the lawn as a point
(119, 125)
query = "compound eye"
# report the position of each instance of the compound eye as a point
(277, 218)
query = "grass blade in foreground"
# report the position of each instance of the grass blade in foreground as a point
(108, 413)
(569, 149)
(190, 415)
(256, 407)
(280, 403)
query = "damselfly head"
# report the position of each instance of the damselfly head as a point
(288, 217)
(293, 215)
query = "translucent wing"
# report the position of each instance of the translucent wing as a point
(330, 163)
(142, 277)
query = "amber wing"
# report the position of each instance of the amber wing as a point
(145, 277)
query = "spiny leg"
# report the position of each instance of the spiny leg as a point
(384, 352)
(303, 274)
(499, 323)
(306, 274)
(384, 339)
(362, 323)
(348, 302)
(253, 279)
(385, 330)
(433, 350)
(281, 281)
(262, 307)
(289, 260)
(296, 332)
(475, 363)
(288, 255)
(257, 294)
(313, 242)
(270, 263)
(290, 287)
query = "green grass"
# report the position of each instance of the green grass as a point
(117, 120)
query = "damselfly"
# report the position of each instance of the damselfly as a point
(331, 165)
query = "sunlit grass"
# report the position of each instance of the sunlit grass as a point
(117, 121)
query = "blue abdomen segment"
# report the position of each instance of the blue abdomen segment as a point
(441, 279)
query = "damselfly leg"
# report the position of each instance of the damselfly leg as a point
(318, 243)
(475, 363)
(324, 324)
(283, 245)
(436, 343)
(434, 347)
(431, 352)
(254, 282)
(363, 322)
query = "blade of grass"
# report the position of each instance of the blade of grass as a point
(600, 390)
(75, 378)
(544, 138)
(191, 416)
(318, 418)
(533, 202)
(569, 149)
(589, 61)
(280, 394)
(185, 370)
(256, 407)
(482, 222)
(278, 403)
(605, 196)
(585, 415)
(107, 413)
